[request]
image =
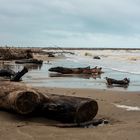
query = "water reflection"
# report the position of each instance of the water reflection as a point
(114, 86)
(85, 76)
(33, 66)
(6, 65)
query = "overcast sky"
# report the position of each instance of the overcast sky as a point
(70, 23)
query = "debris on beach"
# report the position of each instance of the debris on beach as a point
(96, 57)
(18, 75)
(30, 61)
(85, 70)
(23, 100)
(7, 73)
(51, 55)
(13, 76)
(123, 82)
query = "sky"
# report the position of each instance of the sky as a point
(70, 23)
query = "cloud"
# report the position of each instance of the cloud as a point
(70, 23)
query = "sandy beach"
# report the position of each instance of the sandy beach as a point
(121, 108)
(69, 70)
(123, 124)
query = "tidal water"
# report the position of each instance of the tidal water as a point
(115, 64)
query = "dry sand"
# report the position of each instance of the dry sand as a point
(124, 125)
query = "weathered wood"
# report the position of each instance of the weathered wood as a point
(85, 70)
(7, 73)
(31, 61)
(19, 99)
(12, 75)
(111, 81)
(24, 100)
(18, 75)
(69, 109)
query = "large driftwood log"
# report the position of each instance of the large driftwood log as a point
(85, 70)
(23, 100)
(17, 98)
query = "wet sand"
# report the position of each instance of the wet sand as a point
(124, 125)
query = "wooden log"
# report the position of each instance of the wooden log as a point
(18, 75)
(30, 61)
(111, 81)
(84, 70)
(69, 109)
(19, 99)
(7, 73)
(65, 70)
(23, 100)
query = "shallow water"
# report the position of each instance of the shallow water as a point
(116, 65)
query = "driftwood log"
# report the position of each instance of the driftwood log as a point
(31, 61)
(24, 100)
(13, 76)
(69, 109)
(17, 98)
(84, 70)
(111, 81)
(7, 73)
(18, 75)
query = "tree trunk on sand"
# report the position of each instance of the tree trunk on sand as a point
(19, 99)
(68, 108)
(23, 100)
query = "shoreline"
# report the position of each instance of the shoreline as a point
(119, 90)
